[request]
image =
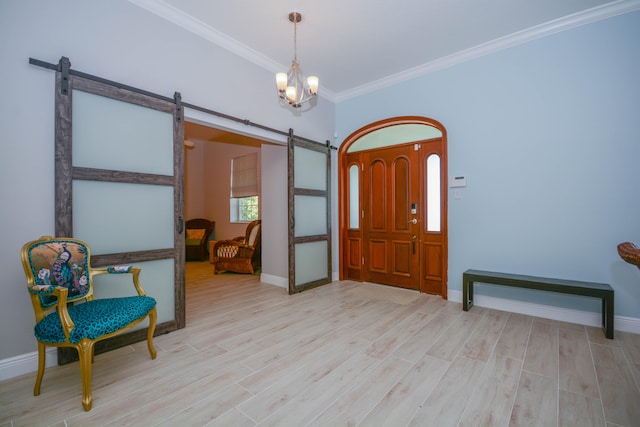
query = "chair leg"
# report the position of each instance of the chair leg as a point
(153, 314)
(85, 353)
(42, 354)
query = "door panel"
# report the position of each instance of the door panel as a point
(402, 256)
(141, 142)
(311, 258)
(354, 253)
(352, 242)
(390, 186)
(144, 224)
(433, 230)
(309, 166)
(377, 196)
(310, 215)
(118, 168)
(378, 256)
(401, 188)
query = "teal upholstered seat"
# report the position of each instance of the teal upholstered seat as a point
(60, 281)
(94, 319)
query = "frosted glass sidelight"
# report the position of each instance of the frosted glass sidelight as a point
(311, 262)
(156, 278)
(115, 217)
(354, 196)
(310, 170)
(311, 216)
(433, 193)
(116, 135)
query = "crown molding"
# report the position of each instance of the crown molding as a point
(194, 25)
(188, 22)
(598, 13)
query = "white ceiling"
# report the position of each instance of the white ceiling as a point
(356, 46)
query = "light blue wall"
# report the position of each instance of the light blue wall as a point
(119, 41)
(548, 135)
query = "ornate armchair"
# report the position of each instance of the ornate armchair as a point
(240, 255)
(197, 234)
(59, 275)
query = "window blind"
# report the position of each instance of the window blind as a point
(244, 176)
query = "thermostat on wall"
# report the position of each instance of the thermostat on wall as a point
(458, 181)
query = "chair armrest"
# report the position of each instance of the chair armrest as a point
(123, 269)
(61, 293)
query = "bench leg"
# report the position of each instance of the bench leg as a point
(607, 316)
(467, 293)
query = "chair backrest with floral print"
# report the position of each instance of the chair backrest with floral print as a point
(58, 261)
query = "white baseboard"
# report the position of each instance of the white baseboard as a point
(621, 323)
(282, 282)
(25, 363)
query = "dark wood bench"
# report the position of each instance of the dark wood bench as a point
(589, 289)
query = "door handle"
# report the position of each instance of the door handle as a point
(413, 221)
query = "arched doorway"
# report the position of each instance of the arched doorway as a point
(393, 204)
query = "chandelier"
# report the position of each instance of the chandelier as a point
(293, 88)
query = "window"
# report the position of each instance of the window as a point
(433, 193)
(244, 203)
(354, 196)
(244, 209)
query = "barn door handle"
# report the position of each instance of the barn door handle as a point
(180, 225)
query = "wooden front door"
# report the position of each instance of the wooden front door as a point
(393, 205)
(390, 189)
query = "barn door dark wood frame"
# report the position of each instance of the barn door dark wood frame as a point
(296, 141)
(66, 173)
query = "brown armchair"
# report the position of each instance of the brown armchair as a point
(197, 235)
(240, 255)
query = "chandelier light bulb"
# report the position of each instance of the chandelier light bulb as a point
(281, 81)
(313, 82)
(291, 93)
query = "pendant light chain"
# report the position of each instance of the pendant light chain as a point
(295, 39)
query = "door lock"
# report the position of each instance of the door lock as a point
(413, 221)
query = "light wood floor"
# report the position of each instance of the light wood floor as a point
(344, 354)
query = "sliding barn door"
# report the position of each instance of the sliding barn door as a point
(309, 214)
(119, 161)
